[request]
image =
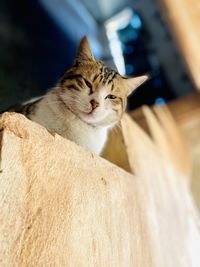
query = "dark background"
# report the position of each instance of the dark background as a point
(38, 41)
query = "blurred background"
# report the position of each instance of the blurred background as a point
(39, 38)
(38, 42)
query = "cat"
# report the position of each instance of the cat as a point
(87, 101)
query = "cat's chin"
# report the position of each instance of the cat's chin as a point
(95, 121)
(90, 118)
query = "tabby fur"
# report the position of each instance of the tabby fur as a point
(87, 101)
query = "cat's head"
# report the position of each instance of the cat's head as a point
(95, 93)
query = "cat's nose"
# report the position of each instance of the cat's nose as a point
(94, 103)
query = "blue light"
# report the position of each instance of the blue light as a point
(136, 22)
(132, 36)
(129, 49)
(129, 69)
(160, 101)
(157, 83)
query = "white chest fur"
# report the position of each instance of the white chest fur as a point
(88, 137)
(65, 123)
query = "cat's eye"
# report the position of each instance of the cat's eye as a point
(88, 85)
(111, 96)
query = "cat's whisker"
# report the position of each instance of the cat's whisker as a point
(63, 108)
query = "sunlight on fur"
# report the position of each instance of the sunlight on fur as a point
(87, 101)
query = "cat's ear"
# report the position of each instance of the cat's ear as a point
(134, 83)
(84, 51)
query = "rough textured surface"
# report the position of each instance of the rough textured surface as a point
(162, 128)
(165, 194)
(63, 206)
(176, 137)
(186, 112)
